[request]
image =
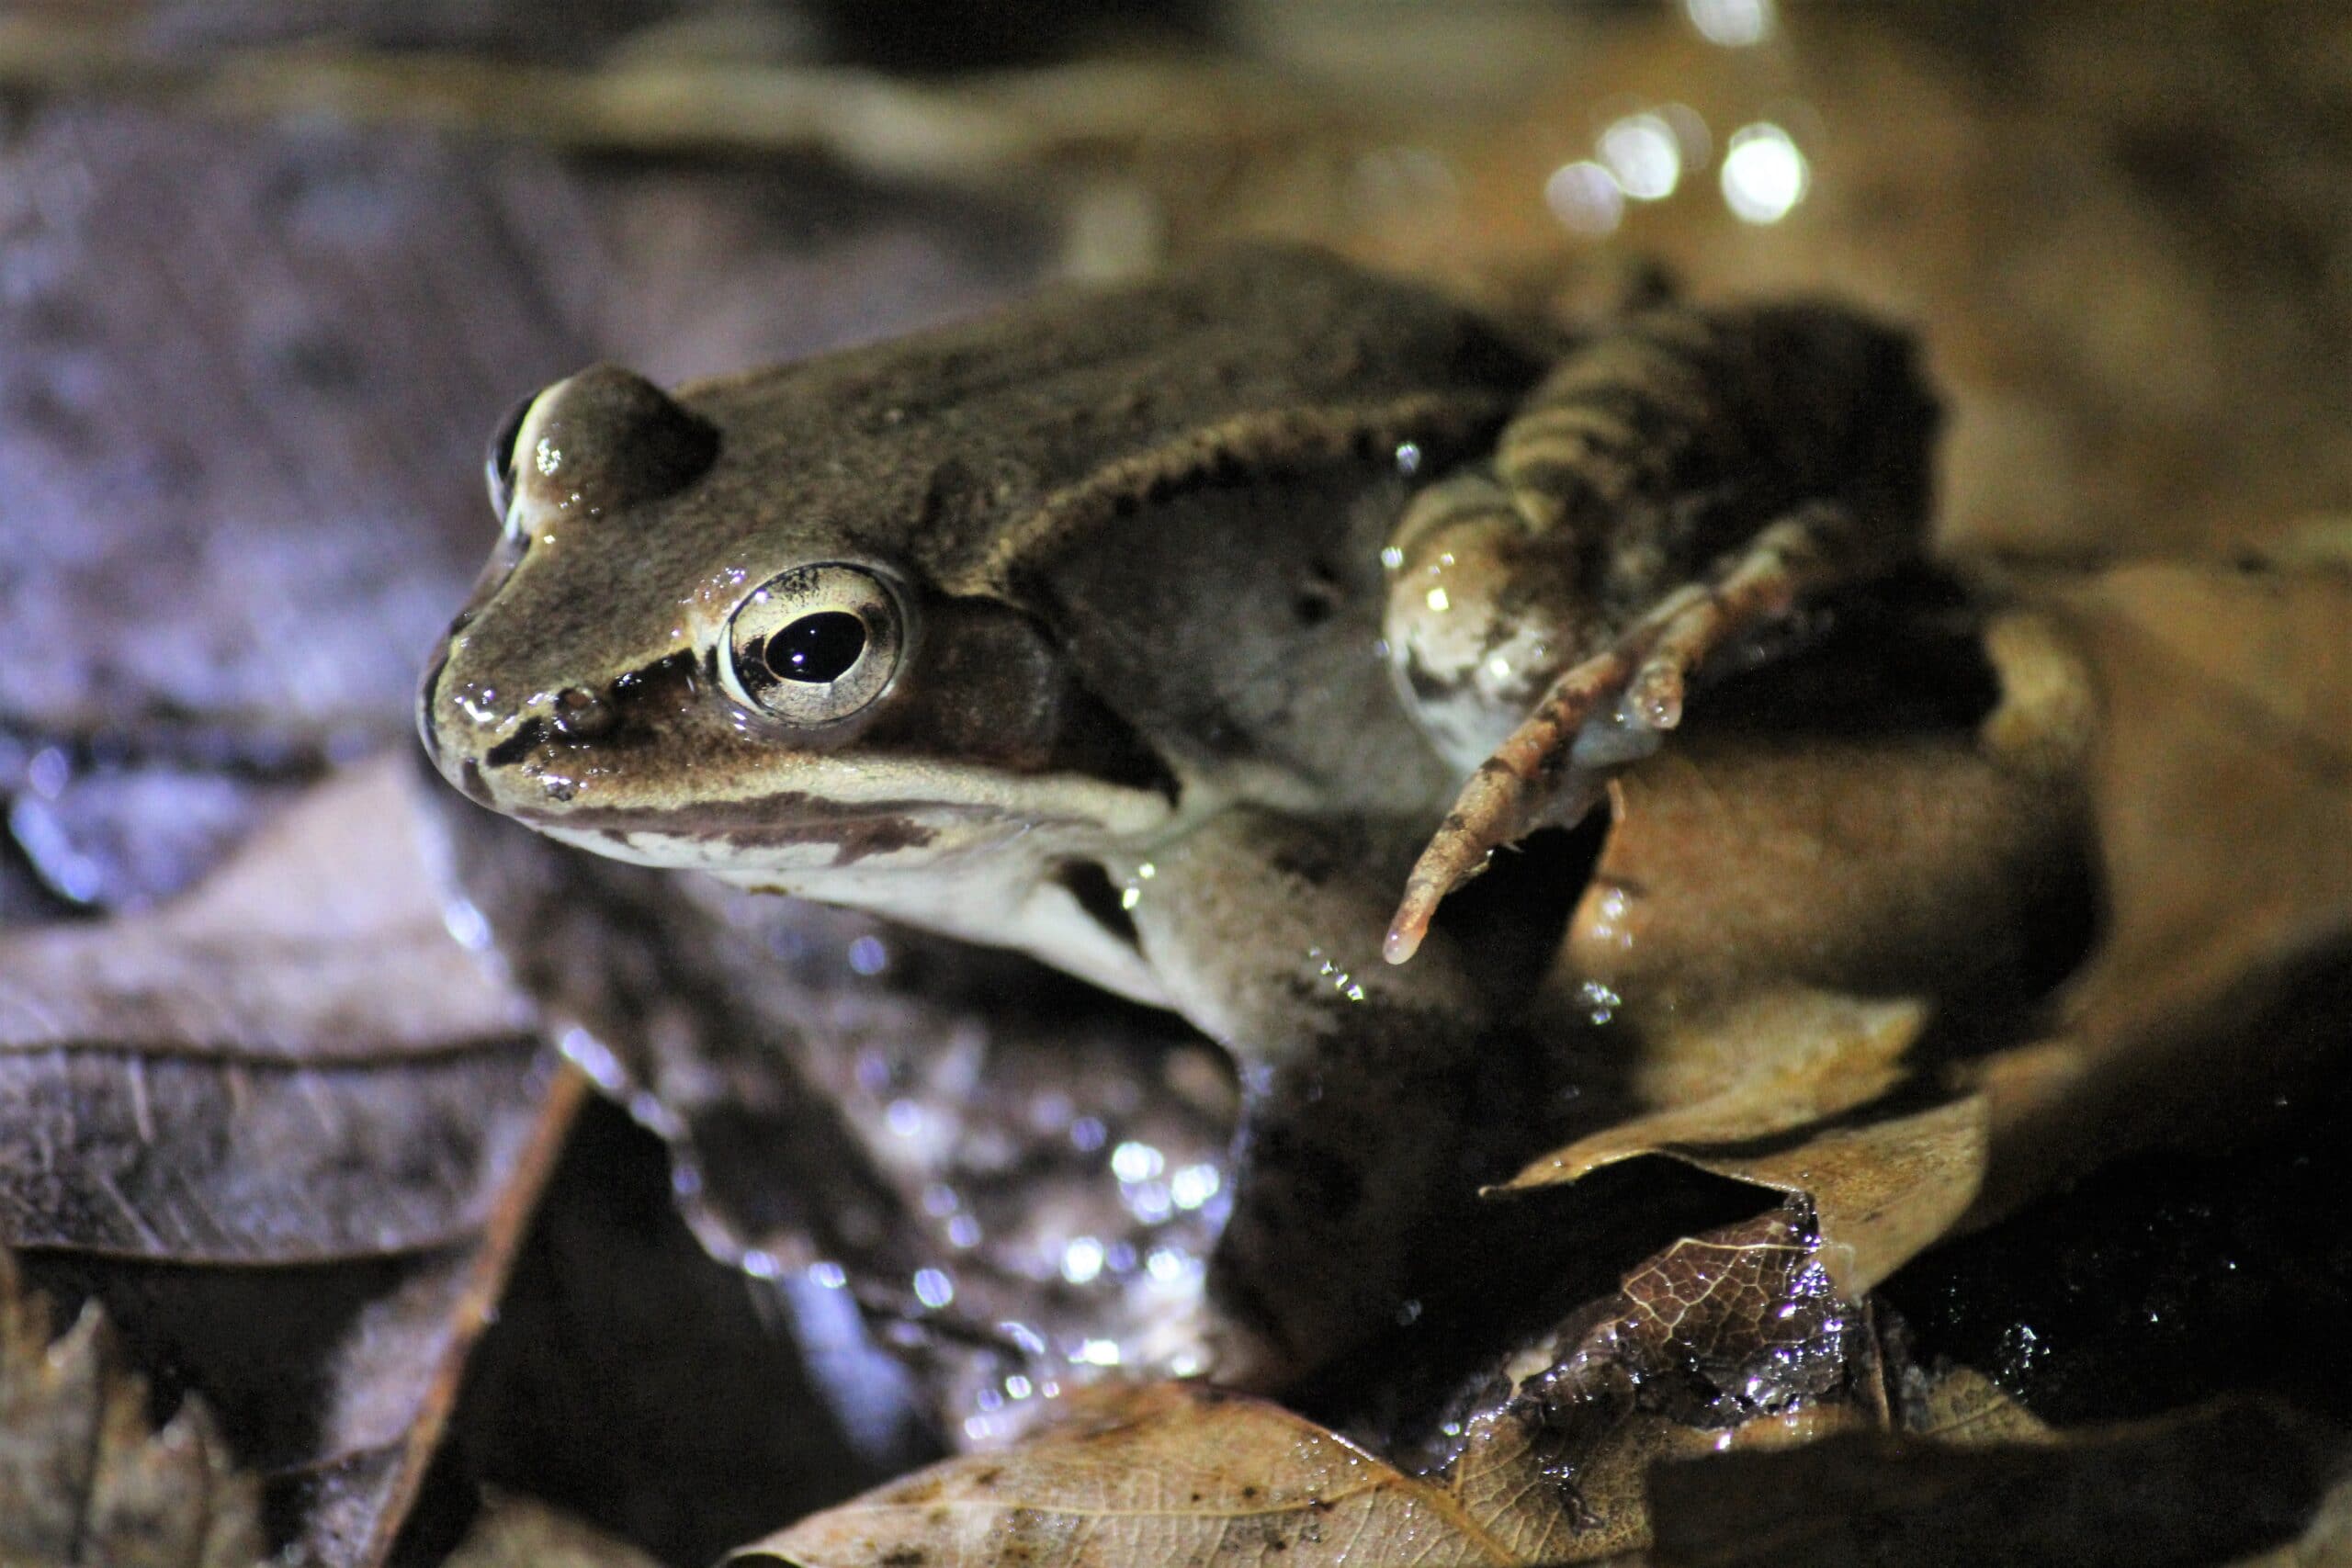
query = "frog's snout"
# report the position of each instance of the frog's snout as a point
(466, 775)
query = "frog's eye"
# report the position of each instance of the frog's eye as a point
(498, 466)
(814, 644)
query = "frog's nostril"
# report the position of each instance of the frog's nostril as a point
(582, 714)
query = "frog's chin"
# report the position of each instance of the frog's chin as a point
(991, 880)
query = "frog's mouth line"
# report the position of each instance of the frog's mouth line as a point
(766, 824)
(852, 838)
(726, 833)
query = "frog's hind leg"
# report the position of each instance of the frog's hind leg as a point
(1615, 706)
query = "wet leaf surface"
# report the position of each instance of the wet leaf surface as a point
(1731, 1339)
(285, 1129)
(2192, 1489)
(2160, 1280)
(84, 1474)
(738, 1403)
(1017, 1180)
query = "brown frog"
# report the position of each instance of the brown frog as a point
(1166, 631)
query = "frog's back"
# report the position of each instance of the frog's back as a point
(1061, 402)
(1215, 569)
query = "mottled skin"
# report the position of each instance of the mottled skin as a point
(1142, 726)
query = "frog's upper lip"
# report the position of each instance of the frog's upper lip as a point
(771, 832)
(797, 813)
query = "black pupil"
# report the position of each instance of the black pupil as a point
(818, 648)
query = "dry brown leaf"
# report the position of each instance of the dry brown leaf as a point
(1888, 865)
(2326, 1541)
(1768, 922)
(1167, 1472)
(520, 1532)
(1731, 1340)
(1962, 1405)
(298, 1088)
(1770, 928)
(84, 1477)
(2221, 775)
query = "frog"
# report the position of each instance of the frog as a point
(1165, 632)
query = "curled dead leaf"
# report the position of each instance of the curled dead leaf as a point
(1771, 925)
(84, 1478)
(2220, 776)
(1791, 944)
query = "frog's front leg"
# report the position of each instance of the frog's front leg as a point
(1676, 485)
(1358, 1079)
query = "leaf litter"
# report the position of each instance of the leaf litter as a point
(86, 1478)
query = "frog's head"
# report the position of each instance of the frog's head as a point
(710, 637)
